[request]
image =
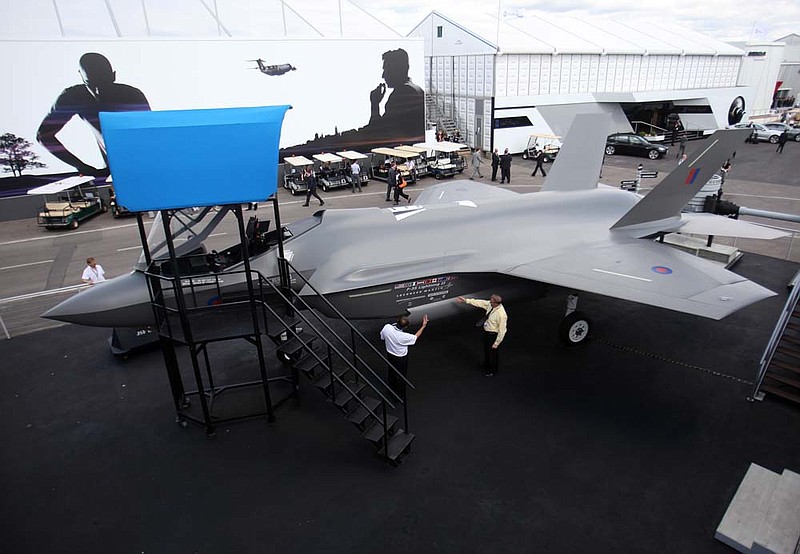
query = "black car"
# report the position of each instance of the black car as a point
(634, 145)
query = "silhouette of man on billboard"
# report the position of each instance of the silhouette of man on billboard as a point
(404, 113)
(98, 93)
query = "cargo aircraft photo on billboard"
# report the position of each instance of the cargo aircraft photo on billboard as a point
(273, 70)
(463, 238)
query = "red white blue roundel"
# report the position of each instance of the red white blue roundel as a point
(661, 270)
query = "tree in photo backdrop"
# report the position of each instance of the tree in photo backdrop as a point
(16, 155)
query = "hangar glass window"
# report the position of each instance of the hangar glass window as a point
(511, 122)
(439, 31)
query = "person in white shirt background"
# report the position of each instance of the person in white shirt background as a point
(93, 273)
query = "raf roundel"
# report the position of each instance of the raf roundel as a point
(661, 270)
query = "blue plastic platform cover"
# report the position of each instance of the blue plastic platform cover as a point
(176, 159)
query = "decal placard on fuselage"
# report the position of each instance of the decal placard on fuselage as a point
(430, 289)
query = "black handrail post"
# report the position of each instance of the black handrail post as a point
(185, 327)
(237, 210)
(353, 348)
(385, 433)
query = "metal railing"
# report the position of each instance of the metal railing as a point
(777, 333)
(197, 288)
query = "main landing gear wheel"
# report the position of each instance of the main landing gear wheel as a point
(574, 329)
(610, 150)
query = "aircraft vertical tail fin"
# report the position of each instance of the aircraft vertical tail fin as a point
(577, 166)
(669, 197)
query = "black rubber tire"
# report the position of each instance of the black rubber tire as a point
(74, 224)
(654, 154)
(773, 139)
(610, 150)
(574, 329)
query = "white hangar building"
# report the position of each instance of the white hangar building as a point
(503, 80)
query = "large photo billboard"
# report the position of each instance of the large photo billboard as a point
(345, 94)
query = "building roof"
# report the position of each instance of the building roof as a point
(266, 19)
(545, 33)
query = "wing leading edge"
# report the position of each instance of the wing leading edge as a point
(649, 273)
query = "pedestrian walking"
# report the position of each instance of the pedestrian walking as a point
(311, 187)
(93, 273)
(476, 163)
(539, 157)
(782, 141)
(682, 147)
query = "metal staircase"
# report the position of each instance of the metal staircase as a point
(338, 360)
(779, 369)
(435, 116)
(196, 304)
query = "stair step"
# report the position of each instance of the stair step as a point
(747, 508)
(784, 365)
(308, 364)
(783, 379)
(296, 344)
(783, 393)
(374, 432)
(791, 339)
(398, 443)
(343, 395)
(323, 381)
(785, 350)
(780, 529)
(360, 413)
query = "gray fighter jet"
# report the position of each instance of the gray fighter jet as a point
(468, 239)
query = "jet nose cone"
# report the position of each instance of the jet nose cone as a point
(119, 302)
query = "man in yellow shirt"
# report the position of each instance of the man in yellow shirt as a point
(494, 330)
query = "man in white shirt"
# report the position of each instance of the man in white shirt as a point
(93, 273)
(355, 171)
(397, 341)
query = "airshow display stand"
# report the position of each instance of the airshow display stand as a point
(182, 152)
(201, 298)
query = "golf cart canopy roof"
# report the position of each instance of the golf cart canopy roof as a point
(442, 146)
(62, 185)
(332, 158)
(352, 155)
(297, 161)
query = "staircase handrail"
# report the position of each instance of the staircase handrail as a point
(777, 333)
(352, 328)
(636, 123)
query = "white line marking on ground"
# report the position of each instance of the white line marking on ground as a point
(26, 265)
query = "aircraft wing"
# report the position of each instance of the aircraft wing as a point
(650, 273)
(454, 191)
(710, 224)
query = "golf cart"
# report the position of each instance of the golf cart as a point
(293, 167)
(445, 159)
(549, 144)
(382, 159)
(421, 160)
(332, 173)
(68, 202)
(353, 156)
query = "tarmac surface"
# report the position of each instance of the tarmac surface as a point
(635, 442)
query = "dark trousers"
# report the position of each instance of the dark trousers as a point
(310, 193)
(398, 192)
(505, 174)
(780, 147)
(389, 187)
(539, 167)
(494, 172)
(400, 363)
(491, 356)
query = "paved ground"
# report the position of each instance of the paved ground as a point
(634, 443)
